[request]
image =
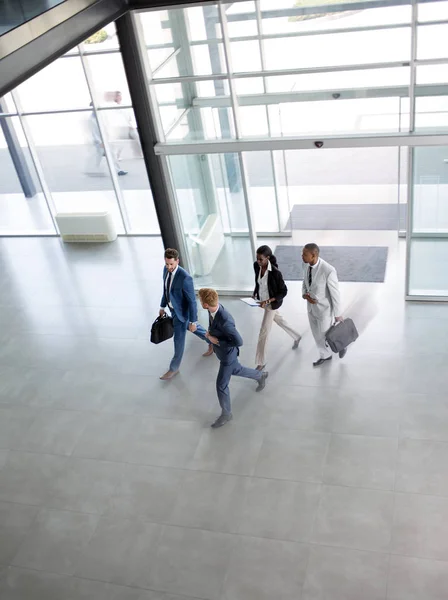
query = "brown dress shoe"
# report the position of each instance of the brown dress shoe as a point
(209, 351)
(169, 375)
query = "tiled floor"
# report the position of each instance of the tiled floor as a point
(330, 485)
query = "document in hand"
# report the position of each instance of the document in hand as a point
(250, 301)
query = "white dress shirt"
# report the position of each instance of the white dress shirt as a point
(263, 290)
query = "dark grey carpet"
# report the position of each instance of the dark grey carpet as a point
(353, 263)
(381, 217)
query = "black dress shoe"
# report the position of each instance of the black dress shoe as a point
(222, 420)
(342, 353)
(262, 381)
(321, 361)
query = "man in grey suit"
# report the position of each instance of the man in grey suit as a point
(226, 341)
(321, 291)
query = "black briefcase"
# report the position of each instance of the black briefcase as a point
(162, 329)
(341, 335)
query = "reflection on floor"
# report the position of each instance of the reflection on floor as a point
(332, 483)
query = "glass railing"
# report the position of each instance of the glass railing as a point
(14, 13)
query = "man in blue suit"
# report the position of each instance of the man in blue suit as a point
(226, 341)
(179, 296)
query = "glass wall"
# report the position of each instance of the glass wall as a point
(428, 275)
(74, 125)
(251, 75)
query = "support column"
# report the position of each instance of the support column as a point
(17, 154)
(137, 77)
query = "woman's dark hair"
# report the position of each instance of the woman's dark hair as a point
(267, 253)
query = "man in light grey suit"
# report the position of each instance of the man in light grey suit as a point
(321, 291)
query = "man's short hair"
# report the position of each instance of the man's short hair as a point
(314, 248)
(209, 296)
(172, 253)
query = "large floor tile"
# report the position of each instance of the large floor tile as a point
(55, 431)
(363, 412)
(422, 467)
(121, 551)
(425, 418)
(416, 579)
(192, 562)
(232, 449)
(29, 478)
(263, 569)
(15, 522)
(295, 455)
(210, 501)
(354, 518)
(146, 492)
(3, 458)
(361, 461)
(300, 407)
(341, 574)
(284, 510)
(421, 526)
(56, 541)
(164, 442)
(85, 486)
(25, 584)
(15, 421)
(108, 437)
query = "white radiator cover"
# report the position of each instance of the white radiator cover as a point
(207, 246)
(86, 227)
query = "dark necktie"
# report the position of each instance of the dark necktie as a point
(310, 276)
(210, 321)
(168, 286)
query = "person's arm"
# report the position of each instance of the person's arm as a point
(188, 291)
(333, 288)
(282, 290)
(304, 292)
(256, 271)
(229, 336)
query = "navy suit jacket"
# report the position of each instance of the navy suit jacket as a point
(182, 296)
(223, 327)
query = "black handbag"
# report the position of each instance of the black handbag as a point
(162, 329)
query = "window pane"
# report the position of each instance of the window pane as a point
(23, 209)
(62, 85)
(207, 190)
(262, 191)
(108, 76)
(431, 113)
(335, 20)
(338, 49)
(72, 158)
(176, 29)
(199, 123)
(121, 130)
(431, 41)
(433, 11)
(430, 196)
(204, 124)
(428, 275)
(246, 56)
(432, 74)
(241, 19)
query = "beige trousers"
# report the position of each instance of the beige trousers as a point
(269, 316)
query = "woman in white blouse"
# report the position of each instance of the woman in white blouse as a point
(270, 289)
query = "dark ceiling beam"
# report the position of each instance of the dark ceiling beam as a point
(35, 44)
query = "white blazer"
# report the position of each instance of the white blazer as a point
(324, 288)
